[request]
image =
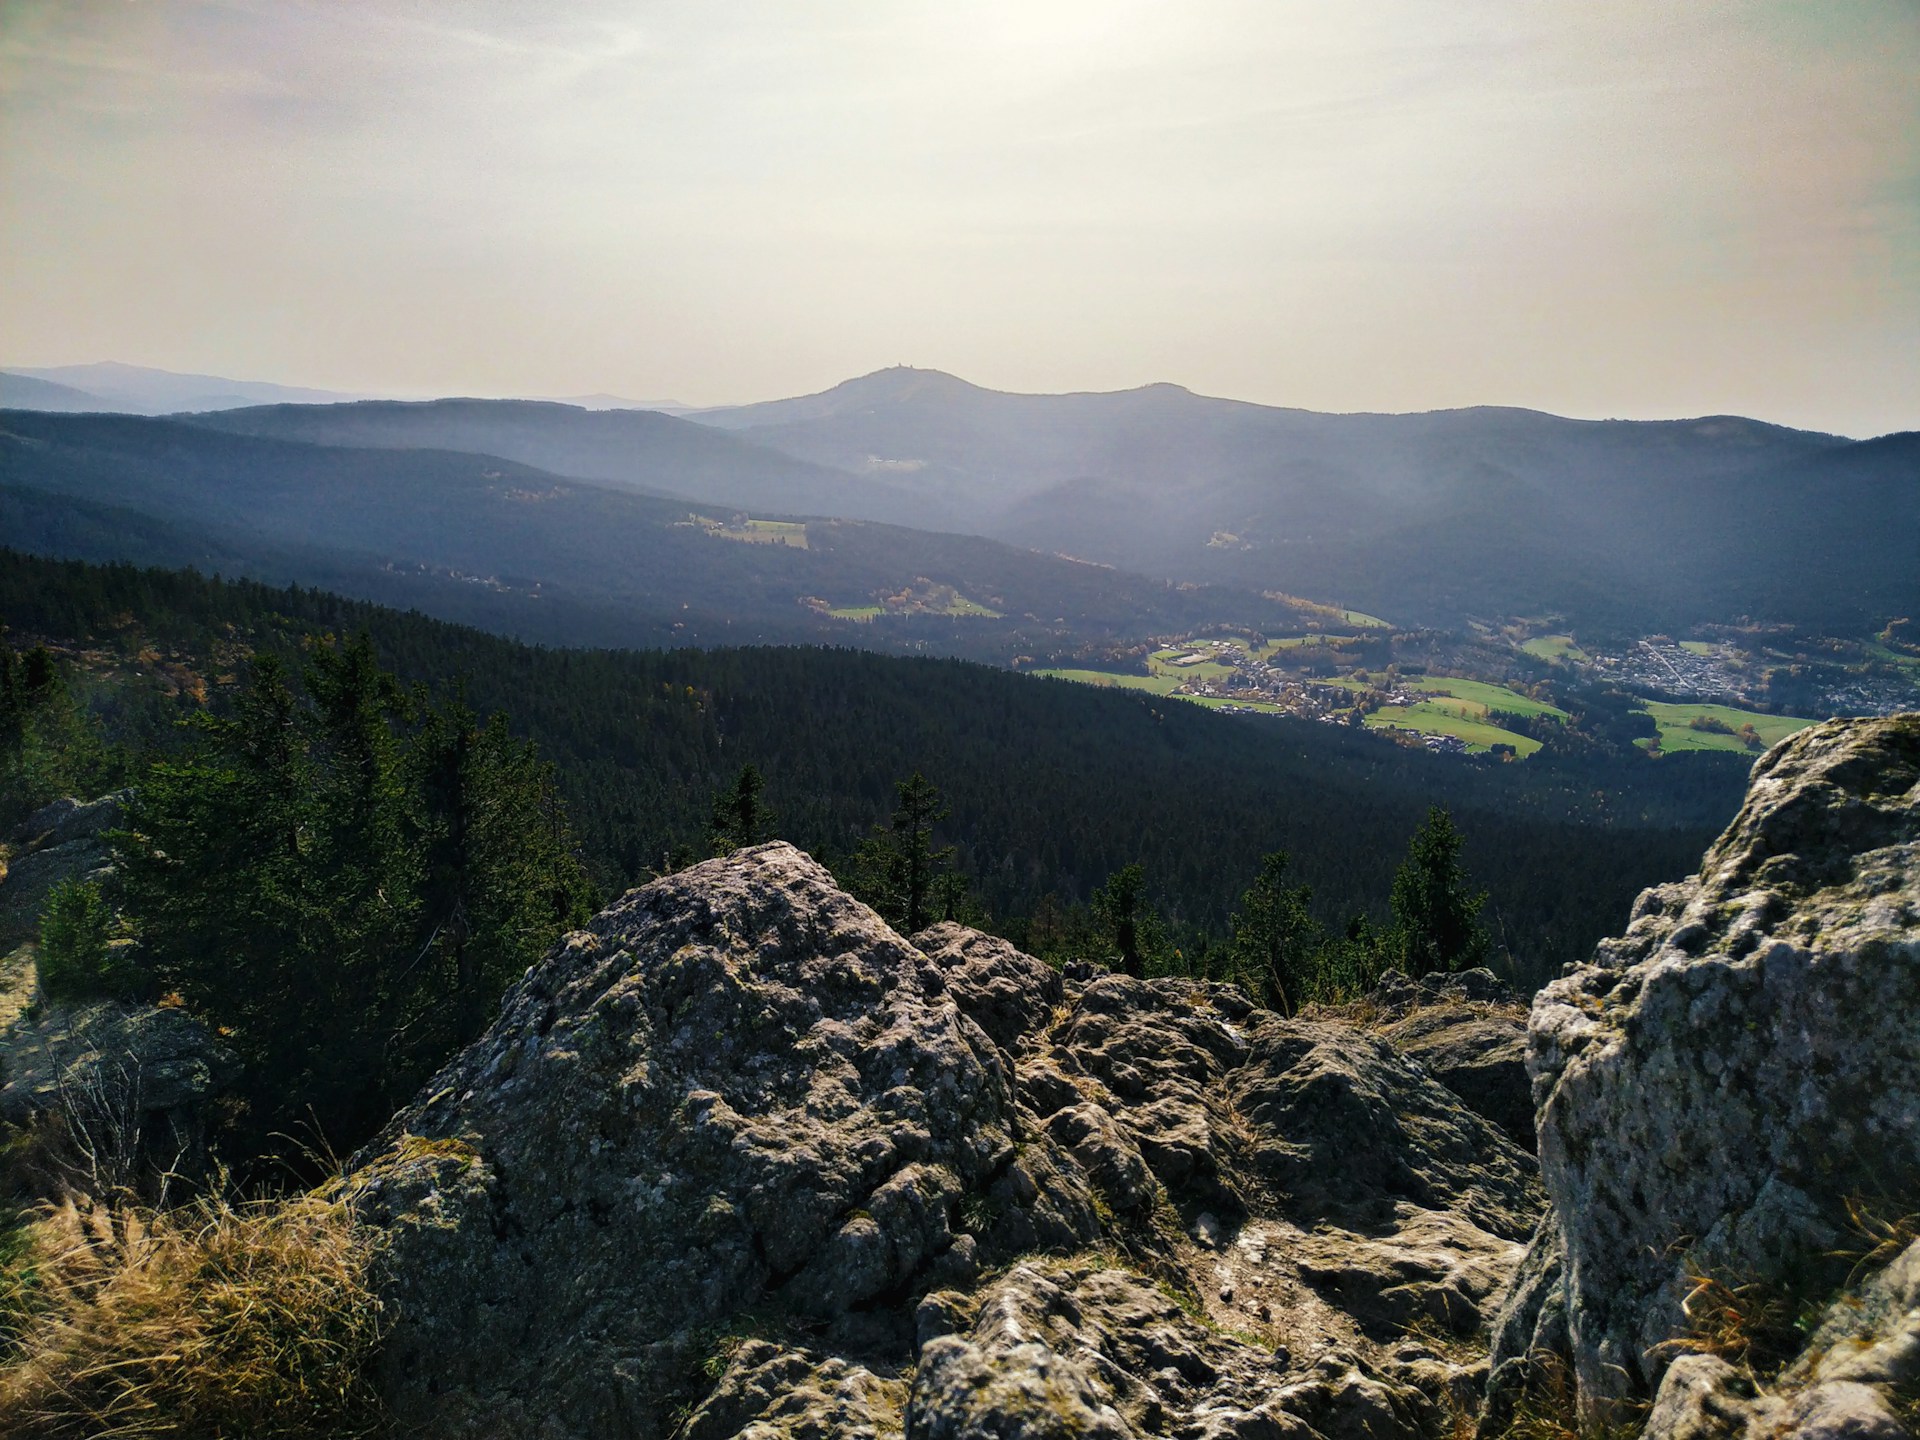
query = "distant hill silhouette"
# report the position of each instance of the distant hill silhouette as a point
(143, 390)
(635, 449)
(1617, 525)
(1421, 517)
(529, 553)
(24, 392)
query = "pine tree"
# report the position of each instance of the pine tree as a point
(740, 815)
(344, 880)
(1435, 915)
(896, 869)
(1275, 937)
(1134, 930)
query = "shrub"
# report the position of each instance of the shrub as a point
(215, 1319)
(77, 962)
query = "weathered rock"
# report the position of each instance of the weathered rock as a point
(1397, 994)
(1347, 1128)
(740, 1102)
(1873, 1336)
(29, 878)
(1007, 994)
(1861, 1368)
(1717, 1082)
(1468, 1031)
(1429, 1270)
(1084, 1349)
(769, 1390)
(139, 1080)
(63, 821)
(739, 1087)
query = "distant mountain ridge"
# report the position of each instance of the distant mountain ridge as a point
(143, 390)
(632, 449)
(527, 552)
(1423, 517)
(26, 392)
(1620, 525)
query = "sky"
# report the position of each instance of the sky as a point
(1642, 208)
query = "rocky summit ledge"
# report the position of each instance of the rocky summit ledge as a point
(740, 1159)
(1722, 1083)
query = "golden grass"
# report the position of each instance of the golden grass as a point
(1548, 1409)
(1883, 1232)
(214, 1320)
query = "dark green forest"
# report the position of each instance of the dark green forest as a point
(1051, 787)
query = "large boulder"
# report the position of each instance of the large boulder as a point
(1719, 1081)
(740, 1160)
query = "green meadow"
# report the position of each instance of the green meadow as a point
(1677, 732)
(1432, 718)
(1554, 648)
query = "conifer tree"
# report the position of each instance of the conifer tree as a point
(896, 869)
(740, 816)
(1133, 927)
(1275, 937)
(1436, 924)
(343, 878)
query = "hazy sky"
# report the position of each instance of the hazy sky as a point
(1638, 207)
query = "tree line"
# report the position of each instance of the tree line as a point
(1052, 787)
(1275, 948)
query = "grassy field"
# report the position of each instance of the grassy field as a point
(960, 605)
(1677, 732)
(1697, 647)
(1876, 651)
(1155, 684)
(1161, 664)
(1431, 718)
(1298, 642)
(1158, 685)
(1474, 698)
(1365, 621)
(957, 605)
(1555, 648)
(757, 532)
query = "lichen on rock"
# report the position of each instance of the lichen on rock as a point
(739, 1159)
(1722, 1078)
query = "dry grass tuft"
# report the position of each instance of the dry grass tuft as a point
(1549, 1409)
(211, 1320)
(1755, 1326)
(1883, 1235)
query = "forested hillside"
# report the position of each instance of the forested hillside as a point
(1053, 787)
(492, 542)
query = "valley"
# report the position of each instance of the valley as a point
(1492, 693)
(570, 526)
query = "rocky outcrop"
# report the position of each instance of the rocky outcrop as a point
(1723, 1077)
(131, 1086)
(61, 841)
(137, 1082)
(1468, 1031)
(738, 1159)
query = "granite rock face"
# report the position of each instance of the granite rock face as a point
(1716, 1084)
(58, 842)
(740, 1160)
(135, 1084)
(1468, 1031)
